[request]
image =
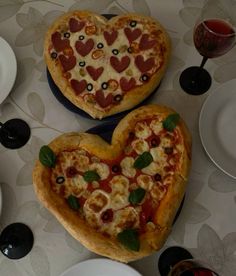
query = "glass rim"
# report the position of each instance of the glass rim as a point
(215, 33)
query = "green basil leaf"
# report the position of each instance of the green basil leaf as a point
(129, 238)
(136, 196)
(90, 176)
(47, 157)
(143, 160)
(171, 121)
(73, 202)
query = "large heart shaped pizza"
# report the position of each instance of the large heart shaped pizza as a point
(119, 199)
(105, 67)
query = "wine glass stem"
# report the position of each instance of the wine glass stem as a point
(198, 73)
(204, 60)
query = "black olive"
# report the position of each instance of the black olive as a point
(104, 85)
(54, 55)
(144, 78)
(115, 52)
(60, 179)
(168, 150)
(81, 37)
(118, 98)
(155, 142)
(133, 23)
(100, 45)
(115, 168)
(130, 50)
(89, 87)
(157, 177)
(66, 35)
(82, 63)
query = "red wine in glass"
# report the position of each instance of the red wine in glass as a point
(212, 38)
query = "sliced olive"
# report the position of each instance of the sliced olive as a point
(168, 150)
(81, 37)
(155, 142)
(115, 52)
(118, 98)
(130, 50)
(144, 78)
(100, 45)
(157, 177)
(133, 23)
(54, 55)
(115, 168)
(60, 179)
(104, 85)
(66, 35)
(82, 63)
(89, 87)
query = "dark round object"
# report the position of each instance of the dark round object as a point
(170, 257)
(67, 35)
(16, 241)
(14, 134)
(115, 52)
(100, 45)
(81, 37)
(115, 168)
(82, 63)
(195, 80)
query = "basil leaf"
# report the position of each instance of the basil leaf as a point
(90, 176)
(73, 202)
(171, 121)
(129, 238)
(143, 160)
(47, 157)
(136, 196)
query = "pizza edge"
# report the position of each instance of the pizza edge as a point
(130, 99)
(93, 240)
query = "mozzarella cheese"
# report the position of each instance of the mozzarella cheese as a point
(142, 130)
(140, 146)
(145, 182)
(101, 168)
(127, 167)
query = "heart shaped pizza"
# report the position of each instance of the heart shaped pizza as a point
(106, 66)
(120, 199)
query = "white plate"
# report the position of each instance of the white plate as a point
(8, 67)
(217, 127)
(100, 267)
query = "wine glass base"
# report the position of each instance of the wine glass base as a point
(16, 240)
(170, 257)
(19, 134)
(195, 80)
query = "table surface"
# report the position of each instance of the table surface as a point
(207, 223)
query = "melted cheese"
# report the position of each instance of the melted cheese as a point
(77, 185)
(156, 126)
(120, 192)
(140, 146)
(96, 202)
(127, 167)
(101, 168)
(145, 182)
(142, 130)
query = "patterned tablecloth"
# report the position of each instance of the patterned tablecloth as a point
(207, 223)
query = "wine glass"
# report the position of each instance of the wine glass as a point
(177, 261)
(214, 35)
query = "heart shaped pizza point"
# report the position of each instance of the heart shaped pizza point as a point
(106, 66)
(120, 199)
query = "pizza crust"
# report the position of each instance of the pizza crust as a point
(131, 98)
(95, 241)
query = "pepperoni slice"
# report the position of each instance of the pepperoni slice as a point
(95, 73)
(132, 34)
(75, 25)
(142, 65)
(84, 48)
(78, 86)
(120, 65)
(127, 85)
(102, 100)
(110, 37)
(67, 63)
(58, 43)
(145, 43)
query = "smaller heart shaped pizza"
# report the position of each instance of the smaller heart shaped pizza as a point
(119, 199)
(106, 66)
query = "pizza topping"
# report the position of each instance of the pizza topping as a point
(127, 167)
(171, 121)
(145, 182)
(66, 35)
(90, 176)
(120, 65)
(133, 23)
(84, 48)
(78, 86)
(168, 150)
(75, 25)
(127, 85)
(97, 54)
(81, 37)
(144, 78)
(157, 177)
(71, 172)
(73, 202)
(110, 37)
(100, 45)
(107, 216)
(113, 84)
(102, 100)
(144, 160)
(82, 63)
(136, 196)
(142, 130)
(130, 50)
(53, 55)
(142, 65)
(104, 85)
(145, 43)
(89, 87)
(116, 168)
(140, 146)
(67, 63)
(132, 34)
(47, 157)
(115, 52)
(155, 142)
(95, 73)
(90, 30)
(58, 43)
(130, 239)
(60, 179)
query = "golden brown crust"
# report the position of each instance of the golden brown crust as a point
(131, 98)
(76, 226)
